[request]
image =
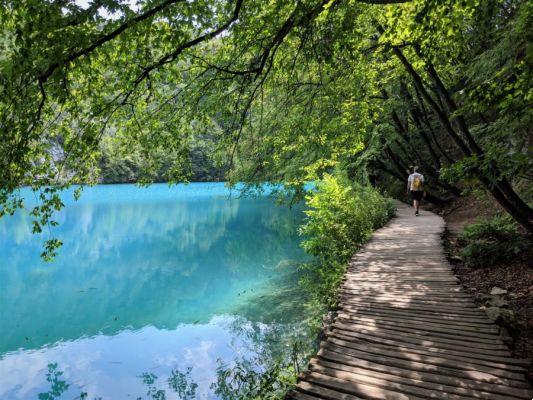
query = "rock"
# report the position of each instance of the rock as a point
(493, 313)
(502, 316)
(482, 298)
(497, 291)
(497, 301)
(508, 319)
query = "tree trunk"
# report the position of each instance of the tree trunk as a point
(520, 211)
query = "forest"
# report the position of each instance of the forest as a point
(267, 92)
(348, 95)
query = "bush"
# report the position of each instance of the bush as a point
(489, 242)
(341, 217)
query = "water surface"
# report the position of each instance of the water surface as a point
(150, 283)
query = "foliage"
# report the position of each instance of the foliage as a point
(126, 163)
(178, 382)
(57, 385)
(489, 242)
(278, 92)
(181, 383)
(249, 380)
(341, 217)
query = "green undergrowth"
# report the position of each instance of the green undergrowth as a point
(341, 217)
(491, 241)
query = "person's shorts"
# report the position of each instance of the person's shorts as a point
(417, 194)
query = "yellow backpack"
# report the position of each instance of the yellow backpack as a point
(417, 183)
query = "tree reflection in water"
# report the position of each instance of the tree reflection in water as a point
(179, 383)
(276, 345)
(186, 275)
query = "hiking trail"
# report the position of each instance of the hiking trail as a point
(406, 329)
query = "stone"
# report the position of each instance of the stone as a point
(497, 301)
(493, 313)
(482, 298)
(502, 316)
(508, 319)
(497, 291)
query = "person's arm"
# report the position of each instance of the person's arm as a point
(408, 184)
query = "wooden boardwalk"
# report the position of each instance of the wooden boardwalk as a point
(406, 330)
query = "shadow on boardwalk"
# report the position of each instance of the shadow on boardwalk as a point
(405, 329)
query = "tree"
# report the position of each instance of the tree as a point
(286, 91)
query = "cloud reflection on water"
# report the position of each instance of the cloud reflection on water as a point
(142, 282)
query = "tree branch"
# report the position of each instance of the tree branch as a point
(106, 38)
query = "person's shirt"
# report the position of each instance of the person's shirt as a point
(413, 179)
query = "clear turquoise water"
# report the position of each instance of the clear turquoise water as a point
(149, 280)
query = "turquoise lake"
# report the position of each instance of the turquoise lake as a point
(150, 283)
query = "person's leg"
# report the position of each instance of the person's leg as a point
(416, 204)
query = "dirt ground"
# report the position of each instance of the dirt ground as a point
(516, 277)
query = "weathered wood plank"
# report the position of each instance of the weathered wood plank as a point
(438, 328)
(358, 388)
(404, 384)
(325, 393)
(405, 329)
(499, 362)
(426, 311)
(346, 347)
(423, 340)
(349, 358)
(408, 313)
(294, 395)
(339, 361)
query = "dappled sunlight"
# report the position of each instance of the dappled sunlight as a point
(404, 326)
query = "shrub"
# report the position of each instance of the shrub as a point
(341, 217)
(489, 242)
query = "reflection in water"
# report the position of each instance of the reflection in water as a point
(57, 385)
(179, 383)
(149, 281)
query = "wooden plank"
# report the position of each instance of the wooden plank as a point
(423, 340)
(294, 395)
(406, 300)
(498, 362)
(396, 305)
(491, 377)
(427, 311)
(325, 393)
(360, 389)
(385, 287)
(425, 293)
(339, 361)
(405, 328)
(428, 331)
(436, 327)
(347, 347)
(408, 385)
(414, 298)
(408, 314)
(382, 381)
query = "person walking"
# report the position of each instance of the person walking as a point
(415, 185)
